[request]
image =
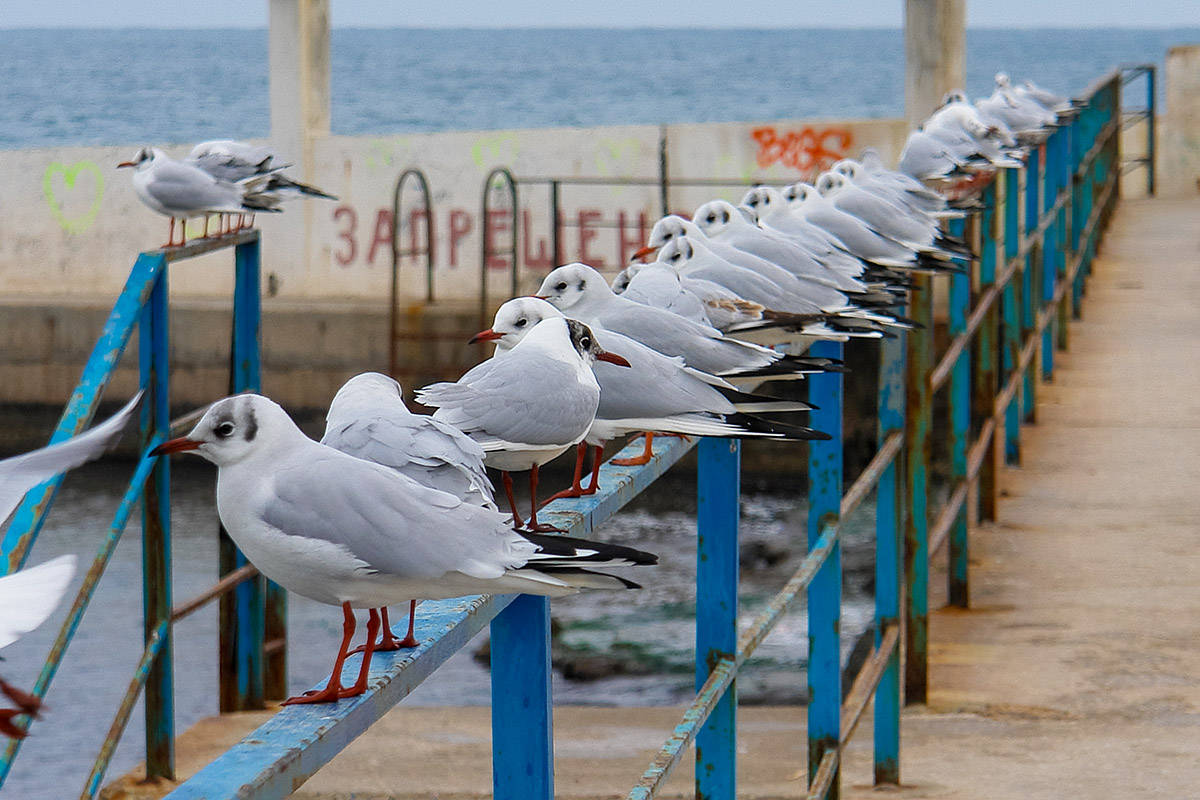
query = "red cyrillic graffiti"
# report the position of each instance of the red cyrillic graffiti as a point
(807, 150)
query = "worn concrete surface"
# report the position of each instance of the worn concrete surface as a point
(1076, 672)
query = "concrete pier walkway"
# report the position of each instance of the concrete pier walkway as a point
(1076, 671)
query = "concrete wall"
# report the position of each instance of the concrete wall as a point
(71, 227)
(1179, 143)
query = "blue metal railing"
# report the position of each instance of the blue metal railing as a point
(143, 303)
(1036, 238)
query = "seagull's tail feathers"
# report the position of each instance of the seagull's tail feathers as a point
(285, 185)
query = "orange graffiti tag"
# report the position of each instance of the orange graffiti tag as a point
(807, 150)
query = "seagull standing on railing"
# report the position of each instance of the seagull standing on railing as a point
(529, 408)
(348, 532)
(181, 189)
(27, 599)
(656, 394)
(368, 420)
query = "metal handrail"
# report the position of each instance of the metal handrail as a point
(142, 303)
(422, 183)
(1072, 184)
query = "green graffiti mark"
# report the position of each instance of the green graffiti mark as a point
(80, 223)
(383, 153)
(495, 151)
(614, 157)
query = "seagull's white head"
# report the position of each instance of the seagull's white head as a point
(143, 158)
(514, 319)
(1002, 80)
(574, 286)
(830, 182)
(234, 428)
(363, 392)
(715, 217)
(667, 229)
(798, 194)
(621, 281)
(848, 167)
(677, 253)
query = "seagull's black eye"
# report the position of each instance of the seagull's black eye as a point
(585, 342)
(561, 286)
(725, 216)
(224, 430)
(521, 322)
(711, 217)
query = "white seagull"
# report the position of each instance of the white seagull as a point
(368, 419)
(229, 160)
(181, 189)
(19, 474)
(348, 532)
(27, 598)
(580, 292)
(530, 407)
(656, 394)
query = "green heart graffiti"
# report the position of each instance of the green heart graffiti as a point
(499, 150)
(80, 223)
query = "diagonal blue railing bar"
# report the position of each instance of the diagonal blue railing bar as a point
(82, 597)
(28, 518)
(154, 646)
(284, 752)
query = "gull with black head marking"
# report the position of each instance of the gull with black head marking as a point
(348, 532)
(530, 407)
(368, 419)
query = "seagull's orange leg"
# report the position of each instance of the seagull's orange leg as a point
(360, 685)
(334, 688)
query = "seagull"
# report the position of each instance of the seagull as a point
(581, 292)
(229, 160)
(19, 474)
(368, 419)
(27, 598)
(181, 189)
(656, 394)
(530, 407)
(348, 532)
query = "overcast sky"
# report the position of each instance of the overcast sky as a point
(610, 13)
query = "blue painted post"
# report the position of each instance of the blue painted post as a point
(985, 381)
(1012, 313)
(242, 612)
(889, 555)
(1151, 110)
(522, 709)
(1080, 208)
(1062, 254)
(718, 483)
(153, 352)
(1049, 251)
(960, 426)
(918, 417)
(825, 590)
(1029, 306)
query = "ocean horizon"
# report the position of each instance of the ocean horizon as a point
(119, 86)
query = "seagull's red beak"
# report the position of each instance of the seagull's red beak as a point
(485, 336)
(645, 251)
(126, 164)
(181, 445)
(612, 358)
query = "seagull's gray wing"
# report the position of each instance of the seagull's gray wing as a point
(427, 450)
(29, 596)
(225, 167)
(184, 188)
(389, 521)
(516, 399)
(21, 473)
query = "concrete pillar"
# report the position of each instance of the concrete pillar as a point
(1179, 146)
(935, 54)
(298, 58)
